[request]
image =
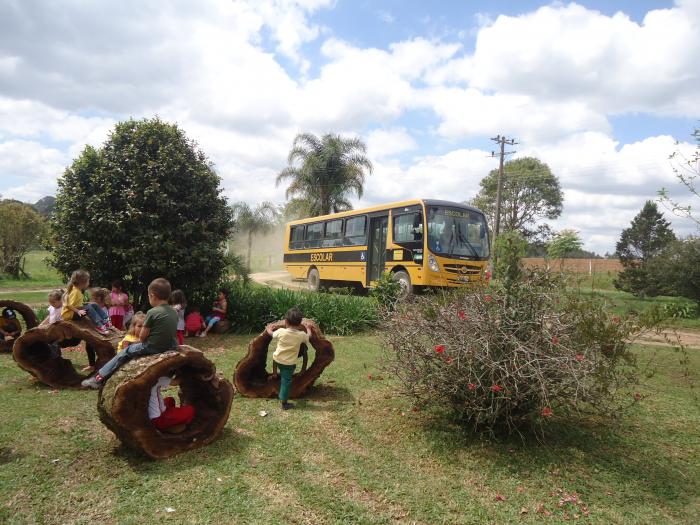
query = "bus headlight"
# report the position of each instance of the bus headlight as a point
(432, 263)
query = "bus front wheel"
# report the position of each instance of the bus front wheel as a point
(405, 281)
(313, 280)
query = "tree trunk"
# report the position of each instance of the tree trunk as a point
(29, 320)
(123, 402)
(253, 380)
(33, 353)
(250, 247)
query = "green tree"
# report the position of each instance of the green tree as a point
(530, 192)
(254, 221)
(20, 229)
(648, 234)
(564, 244)
(326, 171)
(147, 204)
(678, 266)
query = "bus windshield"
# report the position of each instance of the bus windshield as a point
(459, 233)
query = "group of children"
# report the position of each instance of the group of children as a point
(163, 328)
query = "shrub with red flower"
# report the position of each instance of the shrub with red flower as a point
(547, 412)
(520, 346)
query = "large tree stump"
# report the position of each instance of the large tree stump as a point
(29, 320)
(253, 380)
(123, 402)
(33, 353)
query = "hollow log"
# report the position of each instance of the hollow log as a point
(33, 353)
(27, 314)
(123, 402)
(252, 379)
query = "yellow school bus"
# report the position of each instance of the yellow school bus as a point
(421, 242)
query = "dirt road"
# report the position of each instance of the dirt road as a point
(278, 279)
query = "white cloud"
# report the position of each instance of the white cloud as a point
(569, 52)
(382, 143)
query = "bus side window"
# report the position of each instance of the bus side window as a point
(408, 228)
(334, 234)
(314, 234)
(355, 228)
(296, 237)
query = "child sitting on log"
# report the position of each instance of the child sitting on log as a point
(218, 311)
(9, 325)
(55, 307)
(158, 334)
(134, 331)
(74, 307)
(164, 413)
(289, 340)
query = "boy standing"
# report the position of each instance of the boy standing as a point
(158, 334)
(289, 340)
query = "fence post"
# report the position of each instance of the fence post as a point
(590, 267)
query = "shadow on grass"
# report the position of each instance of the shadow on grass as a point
(230, 443)
(329, 392)
(619, 452)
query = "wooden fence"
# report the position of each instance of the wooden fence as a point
(589, 266)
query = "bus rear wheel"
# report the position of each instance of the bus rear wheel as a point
(405, 281)
(313, 280)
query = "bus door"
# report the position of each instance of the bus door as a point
(376, 247)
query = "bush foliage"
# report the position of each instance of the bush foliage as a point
(504, 359)
(147, 204)
(253, 306)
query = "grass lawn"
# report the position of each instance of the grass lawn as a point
(40, 274)
(353, 452)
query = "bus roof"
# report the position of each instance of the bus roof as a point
(387, 206)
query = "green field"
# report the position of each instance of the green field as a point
(41, 275)
(353, 452)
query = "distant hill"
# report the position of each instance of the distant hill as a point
(45, 205)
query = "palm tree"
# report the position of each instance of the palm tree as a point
(254, 221)
(325, 171)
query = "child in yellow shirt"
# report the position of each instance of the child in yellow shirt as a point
(74, 306)
(134, 331)
(289, 340)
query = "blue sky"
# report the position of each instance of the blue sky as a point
(600, 91)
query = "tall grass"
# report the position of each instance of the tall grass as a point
(251, 307)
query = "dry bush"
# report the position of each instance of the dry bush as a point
(509, 357)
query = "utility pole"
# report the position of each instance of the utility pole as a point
(502, 141)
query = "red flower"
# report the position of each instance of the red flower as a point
(496, 388)
(440, 349)
(499, 497)
(637, 396)
(487, 298)
(487, 276)
(555, 340)
(616, 319)
(471, 386)
(579, 357)
(369, 376)
(448, 360)
(546, 412)
(461, 315)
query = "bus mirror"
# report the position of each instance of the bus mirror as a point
(418, 258)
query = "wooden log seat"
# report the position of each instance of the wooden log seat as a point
(222, 326)
(253, 380)
(123, 402)
(33, 351)
(27, 314)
